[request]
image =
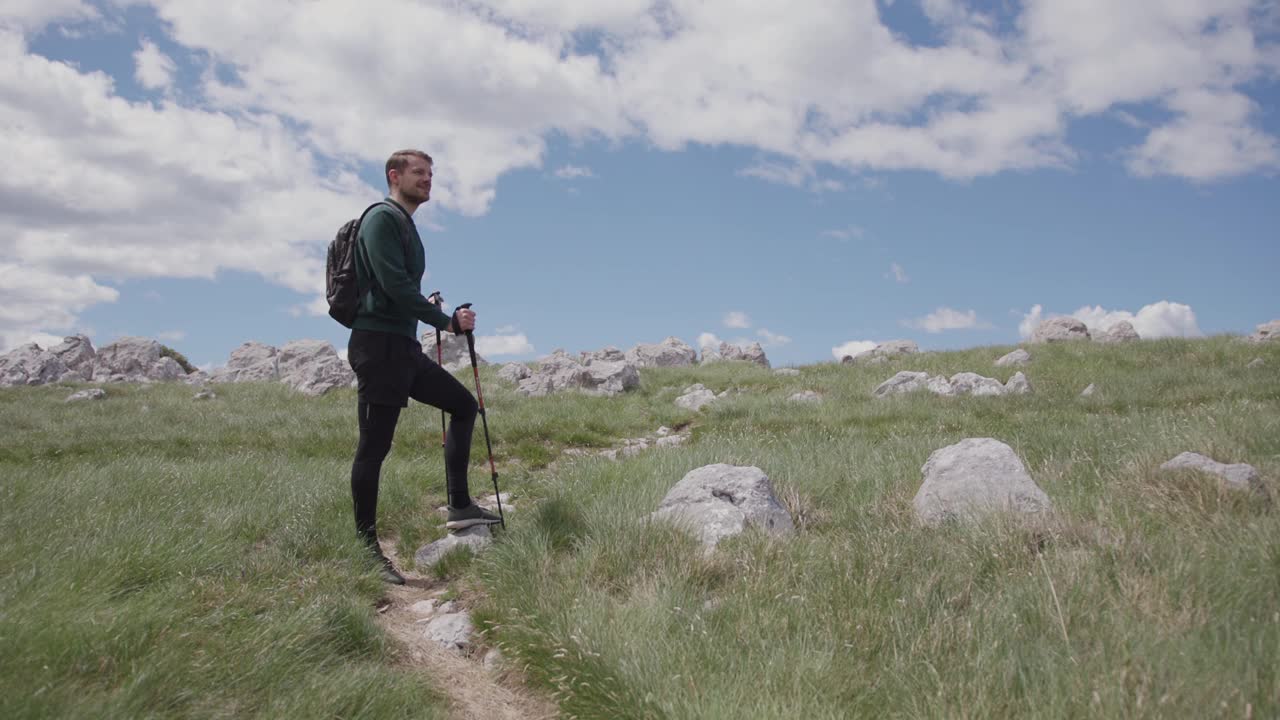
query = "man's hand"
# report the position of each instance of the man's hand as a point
(464, 321)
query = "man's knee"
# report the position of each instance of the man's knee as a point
(468, 408)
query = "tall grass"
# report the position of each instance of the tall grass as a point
(163, 557)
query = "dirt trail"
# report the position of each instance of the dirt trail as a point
(473, 691)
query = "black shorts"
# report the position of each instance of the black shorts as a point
(392, 368)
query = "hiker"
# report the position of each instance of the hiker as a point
(388, 360)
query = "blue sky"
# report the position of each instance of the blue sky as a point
(813, 179)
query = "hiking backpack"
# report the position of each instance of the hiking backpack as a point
(341, 285)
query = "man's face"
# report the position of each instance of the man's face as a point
(414, 182)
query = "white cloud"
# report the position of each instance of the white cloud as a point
(898, 274)
(34, 301)
(707, 339)
(1159, 319)
(496, 345)
(945, 318)
(573, 172)
(853, 347)
(771, 339)
(153, 69)
(737, 319)
(846, 233)
(34, 15)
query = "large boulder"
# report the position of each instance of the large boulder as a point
(905, 381)
(514, 372)
(251, 362)
(1266, 331)
(313, 367)
(717, 501)
(1120, 332)
(77, 353)
(132, 359)
(973, 478)
(608, 353)
(30, 365)
(610, 378)
(968, 383)
(726, 351)
(560, 371)
(671, 352)
(1060, 329)
(884, 352)
(453, 348)
(1236, 476)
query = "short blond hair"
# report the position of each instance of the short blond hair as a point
(399, 160)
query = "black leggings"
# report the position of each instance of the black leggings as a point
(434, 386)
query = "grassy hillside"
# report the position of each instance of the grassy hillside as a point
(162, 556)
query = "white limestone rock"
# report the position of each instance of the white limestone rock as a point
(808, 396)
(1120, 332)
(476, 537)
(973, 478)
(904, 382)
(89, 394)
(968, 383)
(251, 362)
(30, 365)
(695, 397)
(1236, 476)
(451, 630)
(1266, 332)
(1060, 329)
(453, 349)
(718, 501)
(514, 372)
(1018, 385)
(1017, 358)
(671, 352)
(313, 367)
(883, 352)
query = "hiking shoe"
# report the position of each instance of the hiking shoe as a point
(470, 515)
(387, 570)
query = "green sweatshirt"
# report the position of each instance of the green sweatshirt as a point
(395, 303)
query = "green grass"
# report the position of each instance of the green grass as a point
(162, 557)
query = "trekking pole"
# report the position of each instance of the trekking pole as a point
(471, 348)
(438, 300)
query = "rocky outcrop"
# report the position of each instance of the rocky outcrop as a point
(752, 353)
(559, 372)
(973, 478)
(312, 367)
(1266, 332)
(251, 362)
(671, 352)
(453, 349)
(30, 365)
(963, 383)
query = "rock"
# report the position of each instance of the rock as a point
(610, 378)
(1255, 363)
(1238, 476)
(671, 441)
(1018, 385)
(196, 377)
(77, 353)
(975, 477)
(1060, 329)
(671, 352)
(30, 365)
(1017, 358)
(939, 385)
(90, 394)
(904, 382)
(967, 383)
(313, 367)
(555, 373)
(205, 394)
(1120, 332)
(251, 362)
(423, 607)
(752, 353)
(789, 372)
(806, 396)
(453, 349)
(514, 372)
(476, 537)
(492, 660)
(695, 397)
(451, 630)
(1266, 332)
(884, 352)
(447, 606)
(662, 431)
(133, 359)
(490, 502)
(607, 354)
(1089, 391)
(166, 368)
(717, 501)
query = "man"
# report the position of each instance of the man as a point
(388, 361)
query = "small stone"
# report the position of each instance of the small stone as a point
(90, 394)
(451, 630)
(205, 394)
(1255, 363)
(663, 431)
(492, 660)
(448, 606)
(1017, 358)
(671, 441)
(1018, 385)
(1237, 476)
(423, 607)
(476, 537)
(806, 396)
(1089, 391)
